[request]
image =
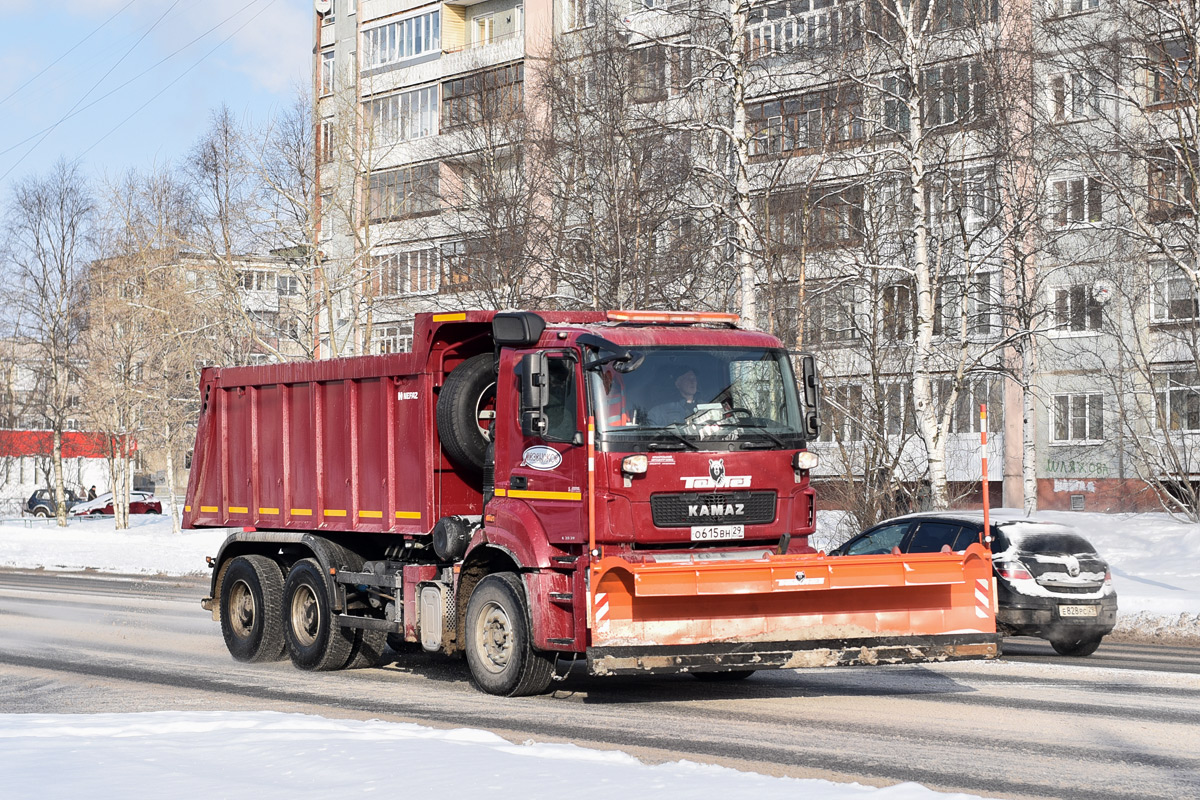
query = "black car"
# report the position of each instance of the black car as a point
(41, 502)
(1051, 583)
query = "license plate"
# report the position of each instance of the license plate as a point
(1078, 611)
(717, 533)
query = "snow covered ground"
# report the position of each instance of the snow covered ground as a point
(1156, 569)
(266, 755)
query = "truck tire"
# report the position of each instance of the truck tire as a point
(251, 603)
(314, 641)
(1076, 646)
(724, 677)
(368, 649)
(468, 394)
(499, 642)
(41, 511)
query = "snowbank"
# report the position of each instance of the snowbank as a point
(269, 756)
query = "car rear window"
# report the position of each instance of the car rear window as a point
(1060, 541)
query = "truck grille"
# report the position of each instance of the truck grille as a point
(712, 508)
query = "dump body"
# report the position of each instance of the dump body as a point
(614, 487)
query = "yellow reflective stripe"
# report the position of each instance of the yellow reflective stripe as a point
(268, 511)
(187, 508)
(500, 492)
(238, 510)
(301, 512)
(449, 317)
(334, 512)
(408, 515)
(209, 509)
(371, 514)
(531, 495)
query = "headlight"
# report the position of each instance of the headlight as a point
(806, 460)
(634, 465)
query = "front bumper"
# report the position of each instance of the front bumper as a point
(1041, 617)
(721, 657)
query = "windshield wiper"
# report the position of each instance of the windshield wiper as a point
(681, 439)
(763, 429)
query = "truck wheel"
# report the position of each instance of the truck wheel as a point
(498, 645)
(368, 649)
(465, 407)
(1083, 646)
(314, 641)
(251, 599)
(41, 512)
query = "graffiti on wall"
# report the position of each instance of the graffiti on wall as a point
(1074, 485)
(1096, 469)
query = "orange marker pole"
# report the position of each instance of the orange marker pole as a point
(987, 529)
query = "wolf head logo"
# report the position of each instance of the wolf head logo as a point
(716, 470)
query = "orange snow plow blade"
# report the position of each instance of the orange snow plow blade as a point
(790, 611)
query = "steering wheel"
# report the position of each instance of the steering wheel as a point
(737, 410)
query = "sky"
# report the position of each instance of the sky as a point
(121, 84)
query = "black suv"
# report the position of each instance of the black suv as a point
(41, 502)
(1050, 581)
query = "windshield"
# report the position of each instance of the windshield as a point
(699, 399)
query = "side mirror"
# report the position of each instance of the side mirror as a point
(812, 393)
(534, 394)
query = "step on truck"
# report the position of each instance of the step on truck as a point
(623, 491)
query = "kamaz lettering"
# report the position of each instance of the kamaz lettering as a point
(717, 510)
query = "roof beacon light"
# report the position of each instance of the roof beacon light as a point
(674, 317)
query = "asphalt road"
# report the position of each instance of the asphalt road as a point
(1124, 723)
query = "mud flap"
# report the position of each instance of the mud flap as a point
(786, 611)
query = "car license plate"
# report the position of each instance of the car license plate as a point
(717, 533)
(1078, 611)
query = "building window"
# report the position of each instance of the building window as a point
(287, 285)
(391, 337)
(399, 41)
(955, 94)
(409, 272)
(845, 404)
(1172, 72)
(1077, 200)
(485, 29)
(325, 218)
(808, 121)
(327, 72)
(968, 198)
(1076, 309)
(404, 116)
(660, 71)
(1076, 95)
(494, 94)
(897, 311)
(1174, 299)
(1171, 185)
(898, 409)
(798, 26)
(578, 14)
(256, 280)
(326, 149)
(401, 193)
(830, 314)
(1179, 400)
(1060, 8)
(1078, 417)
(896, 117)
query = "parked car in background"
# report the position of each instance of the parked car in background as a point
(41, 502)
(139, 503)
(1050, 581)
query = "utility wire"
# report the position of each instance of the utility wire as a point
(114, 90)
(180, 77)
(93, 88)
(73, 48)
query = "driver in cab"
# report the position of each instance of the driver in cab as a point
(678, 410)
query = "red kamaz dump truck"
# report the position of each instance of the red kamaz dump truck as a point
(629, 490)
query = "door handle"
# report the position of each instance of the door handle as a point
(518, 482)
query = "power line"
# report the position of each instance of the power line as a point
(72, 49)
(111, 92)
(180, 77)
(93, 88)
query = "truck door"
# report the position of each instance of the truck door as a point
(548, 470)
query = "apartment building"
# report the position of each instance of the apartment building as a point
(1059, 246)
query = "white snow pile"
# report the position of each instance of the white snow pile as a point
(1154, 559)
(267, 755)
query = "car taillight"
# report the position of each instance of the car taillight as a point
(1014, 571)
(1107, 576)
